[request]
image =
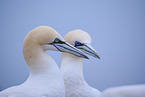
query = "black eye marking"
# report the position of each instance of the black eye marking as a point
(57, 40)
(78, 43)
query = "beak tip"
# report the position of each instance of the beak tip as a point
(97, 57)
(86, 57)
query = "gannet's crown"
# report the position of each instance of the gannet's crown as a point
(77, 35)
(42, 35)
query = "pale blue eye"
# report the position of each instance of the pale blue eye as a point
(77, 43)
(56, 40)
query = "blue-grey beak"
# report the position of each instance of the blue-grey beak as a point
(88, 49)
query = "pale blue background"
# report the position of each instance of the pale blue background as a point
(117, 28)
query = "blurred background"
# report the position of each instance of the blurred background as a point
(117, 28)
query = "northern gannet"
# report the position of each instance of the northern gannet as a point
(72, 67)
(45, 78)
(125, 91)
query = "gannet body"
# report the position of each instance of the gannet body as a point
(45, 78)
(72, 67)
(125, 91)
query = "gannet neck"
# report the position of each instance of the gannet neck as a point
(31, 52)
(72, 67)
(37, 59)
(75, 85)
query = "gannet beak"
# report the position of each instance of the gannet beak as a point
(66, 47)
(88, 49)
(63, 46)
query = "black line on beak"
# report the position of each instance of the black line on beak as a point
(93, 52)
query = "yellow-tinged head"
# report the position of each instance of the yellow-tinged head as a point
(46, 38)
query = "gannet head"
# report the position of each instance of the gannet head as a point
(81, 40)
(46, 38)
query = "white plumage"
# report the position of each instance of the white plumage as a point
(72, 67)
(45, 78)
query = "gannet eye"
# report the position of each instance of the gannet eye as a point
(56, 40)
(77, 43)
